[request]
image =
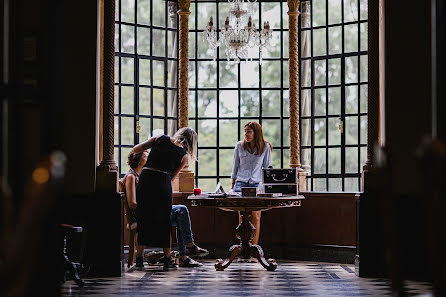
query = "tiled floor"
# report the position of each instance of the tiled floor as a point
(292, 278)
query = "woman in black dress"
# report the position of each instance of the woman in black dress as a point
(168, 155)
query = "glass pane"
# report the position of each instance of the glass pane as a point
(116, 19)
(117, 40)
(306, 158)
(286, 103)
(363, 9)
(320, 184)
(116, 69)
(127, 100)
(249, 74)
(306, 134)
(334, 71)
(116, 131)
(116, 100)
(305, 44)
(335, 184)
(286, 78)
(270, 69)
(171, 44)
(127, 39)
(271, 131)
(286, 132)
(319, 42)
(207, 162)
(275, 158)
(191, 45)
(351, 69)
(334, 134)
(143, 41)
(207, 104)
(227, 135)
(351, 38)
(364, 68)
(320, 101)
(363, 151)
(319, 161)
(351, 160)
(158, 73)
(307, 82)
(334, 11)
(364, 38)
(128, 11)
(286, 158)
(158, 13)
(249, 103)
(285, 15)
(207, 133)
(335, 40)
(363, 99)
(270, 11)
(116, 158)
(144, 72)
(158, 127)
(228, 103)
(305, 103)
(351, 99)
(158, 102)
(320, 134)
(350, 10)
(127, 69)
(143, 12)
(207, 74)
(334, 160)
(158, 42)
(271, 103)
(351, 130)
(318, 13)
(192, 74)
(191, 104)
(124, 155)
(334, 101)
(144, 132)
(172, 75)
(207, 184)
(273, 48)
(192, 16)
(363, 124)
(228, 74)
(320, 72)
(226, 183)
(352, 184)
(205, 11)
(144, 101)
(127, 130)
(226, 157)
(286, 44)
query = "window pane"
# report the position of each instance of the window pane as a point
(269, 74)
(205, 11)
(127, 39)
(143, 41)
(191, 45)
(143, 12)
(363, 9)
(127, 130)
(124, 155)
(270, 11)
(227, 135)
(363, 28)
(275, 158)
(127, 11)
(319, 184)
(363, 151)
(207, 74)
(364, 68)
(335, 184)
(228, 103)
(334, 11)
(335, 40)
(334, 134)
(319, 42)
(286, 104)
(158, 13)
(320, 73)
(144, 132)
(127, 70)
(144, 72)
(286, 44)
(350, 10)
(207, 162)
(116, 69)
(320, 100)
(285, 68)
(192, 16)
(226, 158)
(158, 73)
(207, 184)
(158, 42)
(319, 132)
(249, 74)
(319, 161)
(127, 100)
(271, 103)
(306, 134)
(286, 132)
(351, 99)
(271, 131)
(172, 46)
(191, 104)
(207, 104)
(158, 127)
(352, 184)
(273, 48)
(207, 132)
(363, 120)
(116, 100)
(364, 92)
(158, 102)
(305, 103)
(306, 158)
(116, 131)
(351, 38)
(334, 71)
(351, 160)
(318, 13)
(351, 69)
(249, 103)
(286, 158)
(228, 74)
(144, 101)
(351, 130)
(334, 101)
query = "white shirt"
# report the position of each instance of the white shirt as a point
(247, 167)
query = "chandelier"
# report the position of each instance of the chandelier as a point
(236, 37)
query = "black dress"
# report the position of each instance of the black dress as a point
(154, 193)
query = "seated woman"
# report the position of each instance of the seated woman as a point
(155, 213)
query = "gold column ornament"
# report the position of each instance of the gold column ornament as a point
(185, 180)
(293, 13)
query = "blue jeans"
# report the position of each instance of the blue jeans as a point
(179, 217)
(239, 185)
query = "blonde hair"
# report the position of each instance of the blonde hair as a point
(188, 138)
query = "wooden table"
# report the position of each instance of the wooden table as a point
(245, 230)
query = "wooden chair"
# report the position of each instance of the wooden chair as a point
(131, 226)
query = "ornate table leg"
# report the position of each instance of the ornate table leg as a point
(245, 232)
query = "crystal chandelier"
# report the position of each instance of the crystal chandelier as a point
(236, 37)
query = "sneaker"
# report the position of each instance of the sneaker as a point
(189, 262)
(139, 262)
(196, 251)
(169, 264)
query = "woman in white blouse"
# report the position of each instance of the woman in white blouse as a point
(251, 155)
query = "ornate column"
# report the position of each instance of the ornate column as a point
(185, 180)
(107, 171)
(293, 13)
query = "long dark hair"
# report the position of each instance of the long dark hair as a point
(259, 141)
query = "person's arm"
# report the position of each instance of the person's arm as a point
(130, 190)
(235, 166)
(267, 156)
(144, 145)
(184, 162)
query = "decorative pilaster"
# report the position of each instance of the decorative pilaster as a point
(107, 171)
(183, 75)
(293, 13)
(185, 180)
